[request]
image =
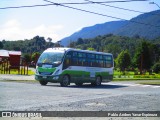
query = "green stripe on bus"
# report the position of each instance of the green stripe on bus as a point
(40, 69)
(80, 73)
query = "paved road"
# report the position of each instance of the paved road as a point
(113, 96)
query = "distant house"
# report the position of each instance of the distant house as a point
(13, 56)
(12, 60)
(4, 54)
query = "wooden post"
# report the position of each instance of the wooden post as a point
(24, 68)
(27, 69)
(7, 67)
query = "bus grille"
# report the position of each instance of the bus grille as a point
(45, 73)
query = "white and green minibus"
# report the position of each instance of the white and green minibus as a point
(67, 65)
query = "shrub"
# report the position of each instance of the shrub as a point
(156, 67)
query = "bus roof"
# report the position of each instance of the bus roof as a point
(63, 49)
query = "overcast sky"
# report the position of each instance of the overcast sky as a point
(58, 22)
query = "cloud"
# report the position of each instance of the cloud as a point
(13, 30)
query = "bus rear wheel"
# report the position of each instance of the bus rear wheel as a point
(65, 81)
(43, 82)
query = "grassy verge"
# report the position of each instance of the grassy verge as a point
(130, 76)
(15, 72)
(134, 79)
(30, 72)
(150, 83)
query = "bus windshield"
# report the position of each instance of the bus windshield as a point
(54, 58)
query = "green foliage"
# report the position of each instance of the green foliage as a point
(144, 56)
(91, 49)
(1, 45)
(123, 60)
(156, 67)
(27, 58)
(36, 44)
(35, 56)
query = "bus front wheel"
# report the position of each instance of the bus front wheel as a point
(43, 82)
(65, 81)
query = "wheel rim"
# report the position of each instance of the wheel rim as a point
(98, 81)
(65, 80)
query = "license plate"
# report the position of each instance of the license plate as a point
(44, 77)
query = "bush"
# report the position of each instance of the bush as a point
(156, 67)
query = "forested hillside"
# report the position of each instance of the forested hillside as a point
(150, 29)
(93, 31)
(145, 25)
(37, 44)
(112, 43)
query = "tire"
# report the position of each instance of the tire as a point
(97, 82)
(65, 81)
(43, 82)
(79, 84)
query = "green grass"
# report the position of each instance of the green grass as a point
(134, 79)
(129, 75)
(126, 73)
(15, 72)
(150, 83)
(30, 72)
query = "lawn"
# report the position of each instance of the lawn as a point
(150, 83)
(129, 75)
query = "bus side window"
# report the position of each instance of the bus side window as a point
(109, 61)
(75, 61)
(81, 59)
(67, 60)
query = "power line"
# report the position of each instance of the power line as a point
(120, 1)
(120, 8)
(27, 6)
(62, 4)
(30, 6)
(59, 4)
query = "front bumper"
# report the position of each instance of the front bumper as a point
(50, 78)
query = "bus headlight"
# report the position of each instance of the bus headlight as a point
(37, 70)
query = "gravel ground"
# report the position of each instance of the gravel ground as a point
(30, 96)
(16, 77)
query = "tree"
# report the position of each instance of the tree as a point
(27, 58)
(79, 41)
(123, 60)
(143, 56)
(1, 45)
(113, 48)
(49, 39)
(156, 67)
(35, 56)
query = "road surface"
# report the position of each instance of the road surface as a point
(113, 96)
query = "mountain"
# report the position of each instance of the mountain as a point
(150, 29)
(93, 31)
(146, 25)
